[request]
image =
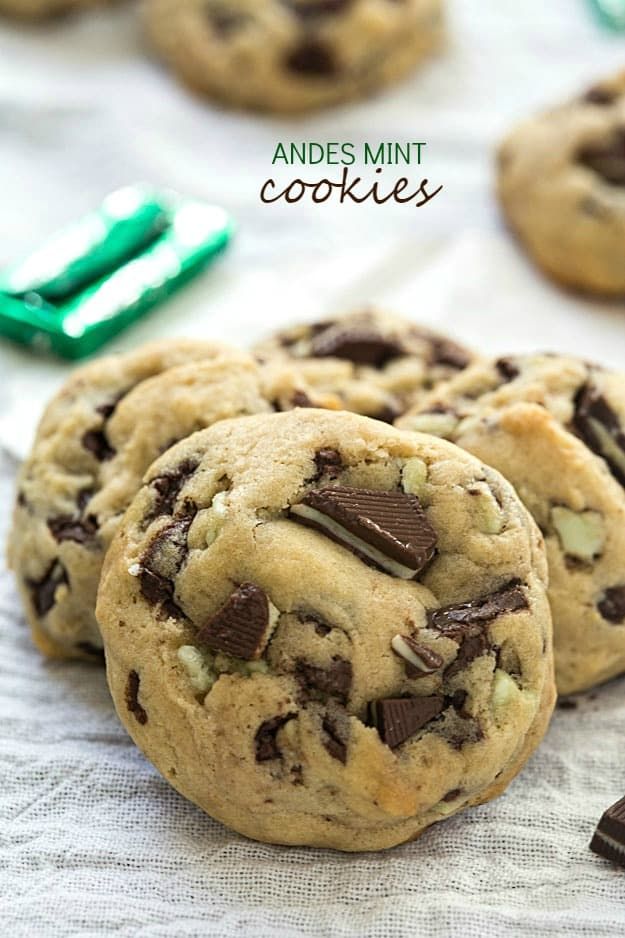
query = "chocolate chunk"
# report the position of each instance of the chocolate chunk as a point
(21, 500)
(397, 719)
(334, 680)
(455, 621)
(446, 352)
(132, 698)
(301, 399)
(168, 487)
(612, 605)
(328, 463)
(609, 838)
(420, 660)
(388, 414)
(600, 429)
(95, 442)
(507, 368)
(265, 741)
(309, 9)
(458, 700)
(162, 561)
(43, 591)
(472, 647)
(360, 344)
(600, 95)
(388, 529)
(452, 795)
(321, 628)
(66, 528)
(93, 651)
(243, 626)
(332, 741)
(312, 58)
(607, 159)
(83, 499)
(107, 409)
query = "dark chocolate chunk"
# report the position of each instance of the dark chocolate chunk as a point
(321, 628)
(241, 627)
(456, 621)
(361, 344)
(389, 529)
(21, 500)
(95, 442)
(397, 719)
(507, 368)
(108, 408)
(472, 647)
(42, 591)
(309, 9)
(162, 561)
(609, 838)
(600, 95)
(458, 700)
(328, 463)
(265, 741)
(452, 795)
(446, 352)
(612, 605)
(168, 486)
(334, 680)
(301, 399)
(419, 659)
(600, 429)
(93, 651)
(607, 159)
(66, 528)
(83, 499)
(132, 698)
(312, 58)
(335, 745)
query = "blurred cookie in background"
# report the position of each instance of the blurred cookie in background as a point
(370, 362)
(41, 9)
(292, 55)
(561, 182)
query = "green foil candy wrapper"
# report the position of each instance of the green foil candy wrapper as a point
(103, 273)
(611, 13)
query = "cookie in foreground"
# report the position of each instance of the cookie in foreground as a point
(561, 179)
(370, 361)
(338, 636)
(553, 426)
(107, 424)
(293, 55)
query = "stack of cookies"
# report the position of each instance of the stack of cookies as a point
(322, 628)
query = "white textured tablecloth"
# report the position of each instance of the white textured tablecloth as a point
(92, 841)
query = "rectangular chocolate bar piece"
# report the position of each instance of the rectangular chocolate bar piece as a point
(609, 838)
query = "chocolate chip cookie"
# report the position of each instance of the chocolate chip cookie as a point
(561, 183)
(370, 362)
(95, 441)
(337, 633)
(291, 55)
(41, 9)
(554, 427)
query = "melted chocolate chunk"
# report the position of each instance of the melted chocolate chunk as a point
(132, 698)
(107, 409)
(360, 344)
(242, 626)
(66, 528)
(446, 352)
(328, 463)
(419, 660)
(456, 621)
(600, 429)
(609, 838)
(162, 561)
(472, 647)
(95, 442)
(167, 487)
(612, 605)
(332, 740)
(265, 741)
(333, 681)
(389, 529)
(42, 591)
(83, 499)
(452, 795)
(312, 58)
(507, 368)
(321, 628)
(397, 719)
(301, 399)
(607, 159)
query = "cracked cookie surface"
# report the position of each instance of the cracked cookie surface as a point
(337, 636)
(561, 181)
(96, 439)
(369, 362)
(292, 55)
(553, 426)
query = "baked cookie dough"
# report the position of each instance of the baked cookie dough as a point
(561, 181)
(291, 55)
(369, 362)
(554, 427)
(338, 633)
(95, 441)
(42, 9)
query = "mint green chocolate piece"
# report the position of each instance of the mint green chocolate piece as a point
(611, 13)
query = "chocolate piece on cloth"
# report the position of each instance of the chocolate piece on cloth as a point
(389, 529)
(609, 839)
(243, 625)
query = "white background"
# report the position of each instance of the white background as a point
(91, 840)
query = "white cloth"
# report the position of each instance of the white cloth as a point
(92, 841)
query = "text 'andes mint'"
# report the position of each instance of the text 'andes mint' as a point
(390, 529)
